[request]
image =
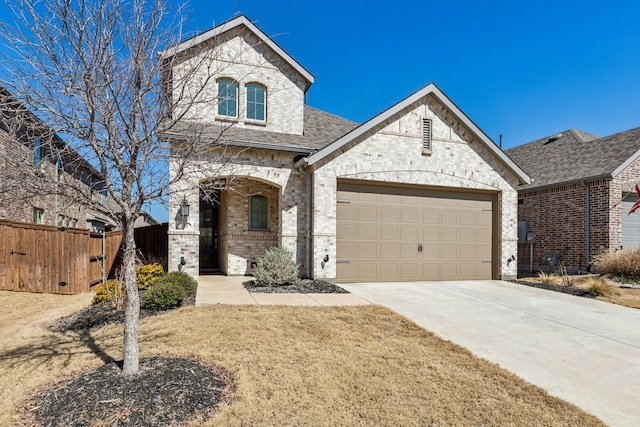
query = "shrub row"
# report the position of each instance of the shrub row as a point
(161, 291)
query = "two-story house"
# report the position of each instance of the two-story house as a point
(42, 180)
(418, 192)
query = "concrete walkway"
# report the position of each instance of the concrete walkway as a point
(582, 350)
(229, 290)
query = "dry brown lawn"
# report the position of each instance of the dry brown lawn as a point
(292, 365)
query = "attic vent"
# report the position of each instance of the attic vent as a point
(553, 138)
(426, 134)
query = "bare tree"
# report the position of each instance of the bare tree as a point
(90, 70)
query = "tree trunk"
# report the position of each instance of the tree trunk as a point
(131, 363)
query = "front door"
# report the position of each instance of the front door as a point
(209, 237)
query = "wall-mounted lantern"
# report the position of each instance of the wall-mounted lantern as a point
(184, 208)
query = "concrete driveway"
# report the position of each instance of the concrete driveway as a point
(584, 351)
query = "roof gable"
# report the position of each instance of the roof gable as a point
(229, 25)
(430, 89)
(572, 156)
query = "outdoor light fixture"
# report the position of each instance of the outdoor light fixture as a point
(184, 208)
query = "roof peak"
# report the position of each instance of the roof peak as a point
(228, 26)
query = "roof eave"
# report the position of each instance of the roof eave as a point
(569, 182)
(246, 144)
(626, 163)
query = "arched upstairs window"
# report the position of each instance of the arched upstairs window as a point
(256, 102)
(227, 98)
(258, 213)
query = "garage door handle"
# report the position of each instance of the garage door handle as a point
(420, 247)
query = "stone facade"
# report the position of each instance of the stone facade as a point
(391, 152)
(241, 56)
(251, 172)
(394, 154)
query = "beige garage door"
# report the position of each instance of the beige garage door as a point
(394, 234)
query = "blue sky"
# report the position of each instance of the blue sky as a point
(521, 69)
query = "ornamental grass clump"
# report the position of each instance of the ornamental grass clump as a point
(597, 286)
(276, 268)
(624, 263)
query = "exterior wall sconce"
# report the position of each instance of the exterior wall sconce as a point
(184, 208)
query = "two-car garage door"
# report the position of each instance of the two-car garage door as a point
(398, 234)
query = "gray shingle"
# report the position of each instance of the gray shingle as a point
(320, 129)
(574, 155)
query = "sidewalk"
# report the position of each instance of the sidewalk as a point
(229, 290)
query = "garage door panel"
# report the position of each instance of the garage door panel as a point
(347, 250)
(347, 231)
(386, 226)
(346, 212)
(368, 213)
(367, 250)
(468, 235)
(409, 234)
(367, 232)
(408, 251)
(389, 214)
(449, 271)
(389, 271)
(408, 272)
(449, 234)
(449, 251)
(468, 253)
(449, 217)
(409, 216)
(485, 219)
(388, 232)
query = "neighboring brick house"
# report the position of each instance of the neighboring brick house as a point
(578, 201)
(33, 180)
(417, 192)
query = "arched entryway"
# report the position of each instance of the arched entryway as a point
(238, 222)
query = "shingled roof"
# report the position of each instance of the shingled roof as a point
(320, 129)
(573, 156)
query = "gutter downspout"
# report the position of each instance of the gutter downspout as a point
(588, 223)
(301, 169)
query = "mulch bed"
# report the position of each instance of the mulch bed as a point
(304, 286)
(99, 315)
(165, 392)
(572, 290)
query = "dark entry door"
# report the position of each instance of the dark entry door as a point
(209, 237)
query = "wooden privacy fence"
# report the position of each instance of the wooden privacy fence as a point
(152, 243)
(43, 258)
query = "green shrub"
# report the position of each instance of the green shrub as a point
(148, 275)
(163, 295)
(619, 263)
(276, 268)
(112, 292)
(187, 282)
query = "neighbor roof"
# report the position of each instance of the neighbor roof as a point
(430, 89)
(573, 156)
(320, 129)
(229, 25)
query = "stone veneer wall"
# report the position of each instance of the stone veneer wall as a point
(261, 171)
(240, 55)
(393, 153)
